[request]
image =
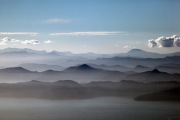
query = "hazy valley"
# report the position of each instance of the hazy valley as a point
(59, 77)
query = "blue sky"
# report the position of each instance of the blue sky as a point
(100, 26)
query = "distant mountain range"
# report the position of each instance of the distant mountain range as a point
(132, 62)
(153, 76)
(41, 67)
(168, 67)
(14, 57)
(144, 54)
(132, 53)
(83, 74)
(25, 50)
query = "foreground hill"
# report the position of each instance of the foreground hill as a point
(68, 89)
(167, 95)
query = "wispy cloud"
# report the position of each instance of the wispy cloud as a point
(58, 20)
(6, 41)
(18, 33)
(87, 33)
(48, 42)
(173, 41)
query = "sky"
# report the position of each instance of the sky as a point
(99, 26)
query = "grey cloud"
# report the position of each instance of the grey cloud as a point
(173, 41)
(177, 42)
(152, 43)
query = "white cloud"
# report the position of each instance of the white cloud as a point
(48, 41)
(18, 33)
(126, 46)
(173, 41)
(6, 41)
(164, 41)
(87, 33)
(31, 42)
(58, 20)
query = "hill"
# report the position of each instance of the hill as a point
(153, 76)
(166, 95)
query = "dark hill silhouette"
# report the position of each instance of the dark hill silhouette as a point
(15, 70)
(166, 95)
(67, 82)
(111, 68)
(130, 82)
(35, 81)
(153, 76)
(81, 68)
(51, 72)
(81, 73)
(69, 89)
(156, 71)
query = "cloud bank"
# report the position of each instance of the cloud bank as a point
(86, 33)
(173, 41)
(6, 41)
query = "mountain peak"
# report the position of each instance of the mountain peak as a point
(135, 50)
(155, 71)
(83, 67)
